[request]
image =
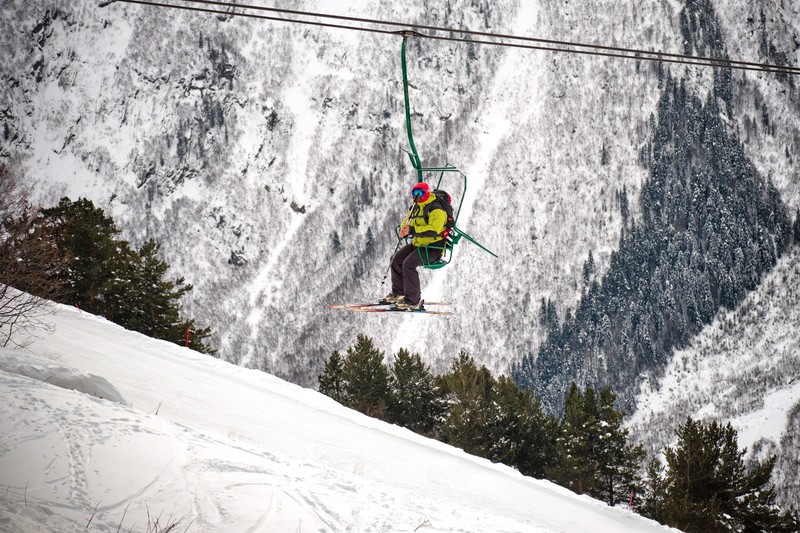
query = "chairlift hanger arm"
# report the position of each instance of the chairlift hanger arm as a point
(415, 162)
(459, 233)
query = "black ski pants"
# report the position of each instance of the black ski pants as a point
(405, 279)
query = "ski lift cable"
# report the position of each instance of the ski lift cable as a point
(550, 42)
(254, 16)
(551, 45)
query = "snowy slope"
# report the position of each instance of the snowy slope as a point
(219, 447)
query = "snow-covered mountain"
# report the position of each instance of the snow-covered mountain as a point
(103, 428)
(267, 158)
(745, 369)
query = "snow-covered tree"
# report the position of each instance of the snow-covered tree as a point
(415, 402)
(331, 380)
(595, 455)
(366, 378)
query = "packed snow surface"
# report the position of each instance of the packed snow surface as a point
(107, 428)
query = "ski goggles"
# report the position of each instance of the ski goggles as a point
(417, 193)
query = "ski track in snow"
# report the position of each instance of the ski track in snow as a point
(214, 472)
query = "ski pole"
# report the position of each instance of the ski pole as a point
(397, 247)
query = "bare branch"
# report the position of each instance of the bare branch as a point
(29, 264)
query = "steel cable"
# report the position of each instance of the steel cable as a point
(502, 39)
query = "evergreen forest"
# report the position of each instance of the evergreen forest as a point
(704, 486)
(71, 253)
(711, 228)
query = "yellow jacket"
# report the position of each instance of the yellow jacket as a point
(425, 230)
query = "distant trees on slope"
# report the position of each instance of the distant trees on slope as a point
(705, 487)
(490, 417)
(72, 254)
(711, 227)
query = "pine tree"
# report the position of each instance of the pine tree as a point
(153, 307)
(88, 237)
(416, 402)
(106, 276)
(469, 394)
(331, 381)
(157, 304)
(708, 488)
(520, 433)
(655, 492)
(618, 460)
(366, 379)
(577, 467)
(595, 455)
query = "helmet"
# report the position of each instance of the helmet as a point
(420, 192)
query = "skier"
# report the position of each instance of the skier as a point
(424, 223)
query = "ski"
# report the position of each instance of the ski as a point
(422, 311)
(384, 307)
(378, 304)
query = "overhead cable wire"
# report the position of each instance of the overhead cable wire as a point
(549, 42)
(254, 16)
(541, 44)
